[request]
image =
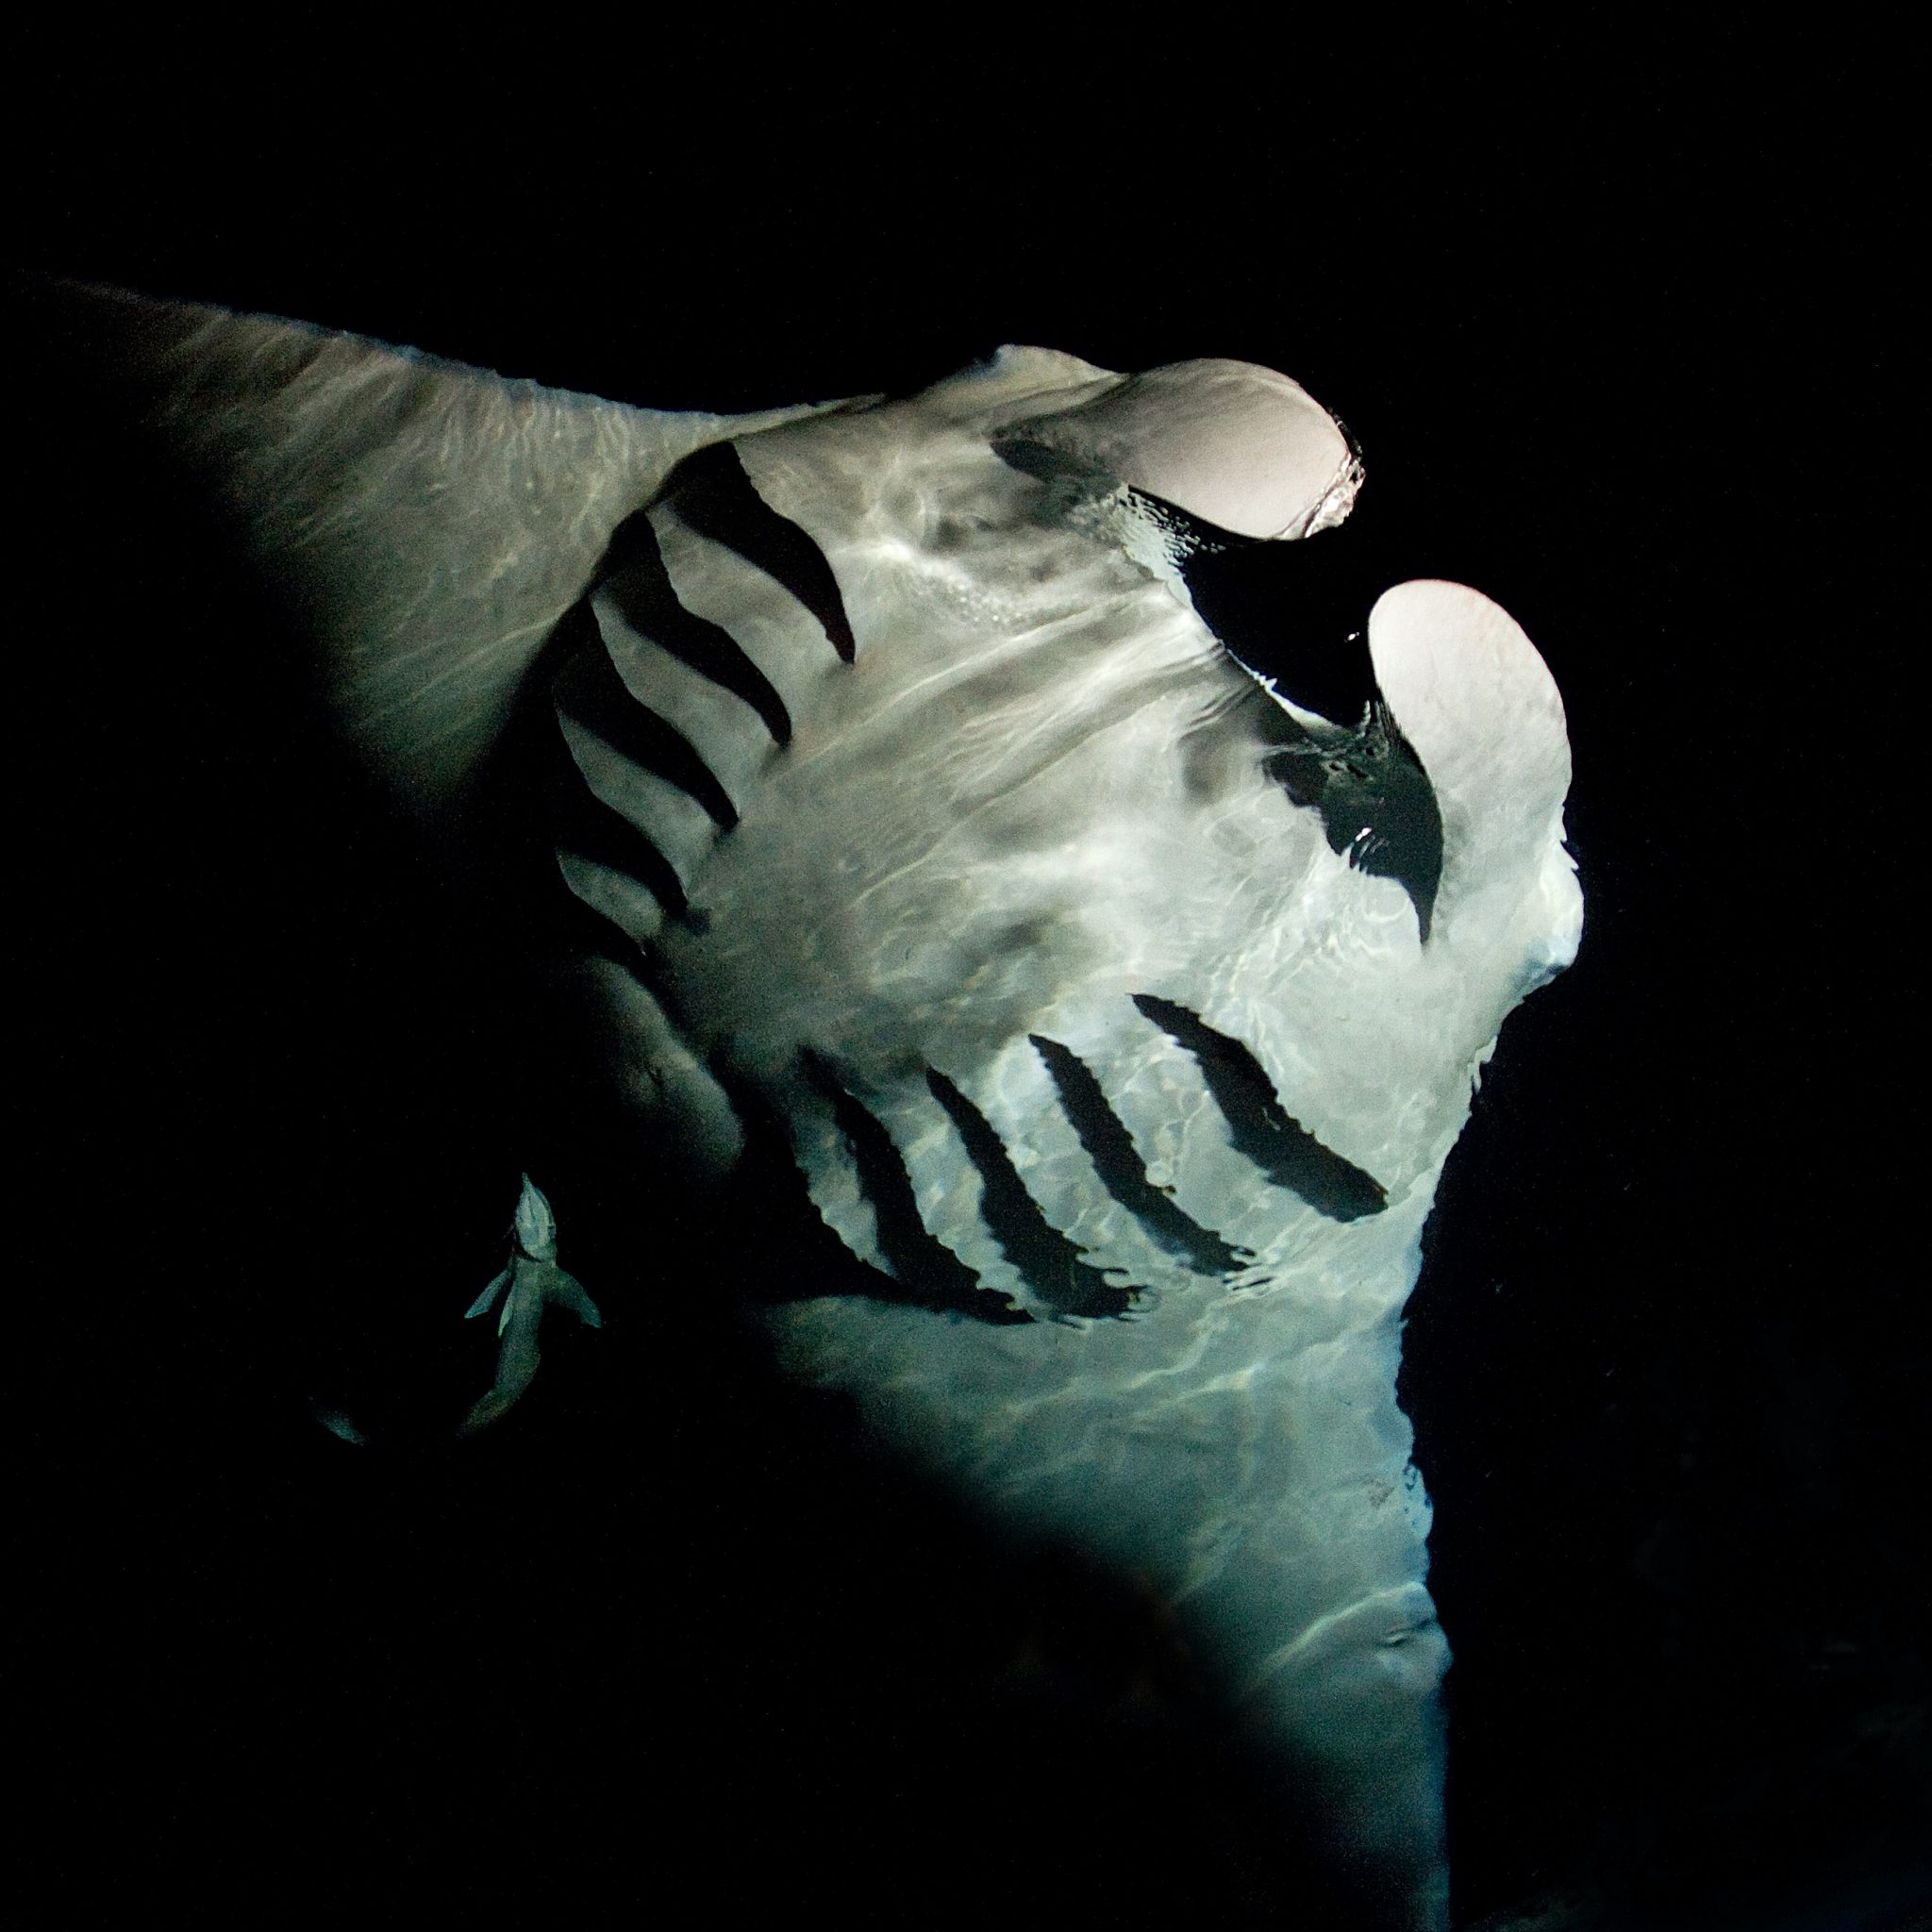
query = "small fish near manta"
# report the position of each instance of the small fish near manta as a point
(1115, 1012)
(532, 1282)
(529, 1283)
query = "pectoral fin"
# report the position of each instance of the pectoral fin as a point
(487, 1300)
(534, 1288)
(568, 1293)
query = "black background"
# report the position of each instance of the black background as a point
(1610, 317)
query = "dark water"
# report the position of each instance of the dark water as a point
(673, 1635)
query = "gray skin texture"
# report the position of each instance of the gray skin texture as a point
(531, 1283)
(1033, 816)
(1036, 807)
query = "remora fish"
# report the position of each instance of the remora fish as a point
(1118, 1015)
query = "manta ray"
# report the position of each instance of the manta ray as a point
(914, 838)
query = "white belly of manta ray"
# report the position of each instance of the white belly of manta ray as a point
(1117, 1014)
(1078, 1022)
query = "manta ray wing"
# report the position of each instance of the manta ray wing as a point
(427, 524)
(936, 841)
(959, 853)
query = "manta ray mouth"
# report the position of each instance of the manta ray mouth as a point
(1293, 612)
(673, 719)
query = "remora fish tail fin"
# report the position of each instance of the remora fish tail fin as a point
(426, 524)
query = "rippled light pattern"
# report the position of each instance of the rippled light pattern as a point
(1060, 982)
(1116, 1013)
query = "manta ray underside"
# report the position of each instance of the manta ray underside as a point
(906, 838)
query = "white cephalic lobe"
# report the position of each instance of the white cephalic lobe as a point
(1238, 444)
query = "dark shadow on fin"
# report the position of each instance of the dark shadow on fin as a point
(1117, 1161)
(1055, 1269)
(591, 694)
(927, 1272)
(784, 1250)
(635, 580)
(1258, 1126)
(711, 493)
(582, 823)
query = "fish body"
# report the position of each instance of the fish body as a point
(985, 881)
(532, 1282)
(931, 836)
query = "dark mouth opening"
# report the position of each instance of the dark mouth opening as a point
(1294, 615)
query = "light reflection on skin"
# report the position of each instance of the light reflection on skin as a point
(1041, 791)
